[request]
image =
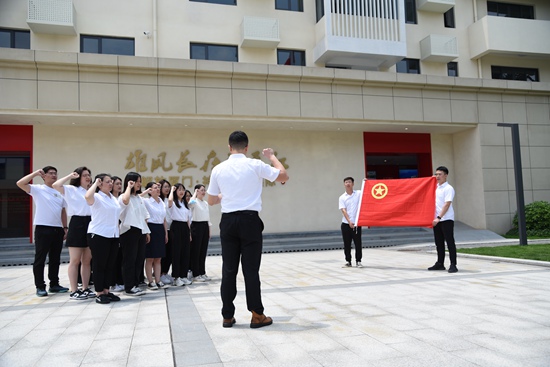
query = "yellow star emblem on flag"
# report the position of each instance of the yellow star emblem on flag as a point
(379, 191)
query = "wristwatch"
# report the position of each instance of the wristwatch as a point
(438, 217)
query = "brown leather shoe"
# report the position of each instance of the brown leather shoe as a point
(229, 322)
(260, 320)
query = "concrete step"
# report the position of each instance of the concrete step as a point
(15, 252)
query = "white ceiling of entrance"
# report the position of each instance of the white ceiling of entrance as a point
(217, 122)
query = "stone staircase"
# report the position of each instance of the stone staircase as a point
(19, 251)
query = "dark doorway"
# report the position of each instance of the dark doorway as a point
(383, 166)
(15, 204)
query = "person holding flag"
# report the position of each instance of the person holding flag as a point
(443, 223)
(348, 203)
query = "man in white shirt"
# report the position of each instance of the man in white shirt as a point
(444, 221)
(236, 184)
(50, 221)
(348, 203)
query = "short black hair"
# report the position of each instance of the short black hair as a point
(79, 170)
(238, 140)
(349, 178)
(443, 169)
(198, 186)
(49, 168)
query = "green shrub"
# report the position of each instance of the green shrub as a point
(537, 220)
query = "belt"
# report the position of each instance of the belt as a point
(243, 212)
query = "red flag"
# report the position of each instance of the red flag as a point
(406, 202)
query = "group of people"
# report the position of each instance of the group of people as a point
(443, 222)
(118, 228)
(116, 232)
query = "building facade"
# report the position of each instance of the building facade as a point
(362, 88)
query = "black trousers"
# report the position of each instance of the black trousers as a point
(181, 248)
(348, 235)
(104, 252)
(166, 261)
(199, 247)
(117, 268)
(241, 240)
(444, 232)
(132, 243)
(48, 241)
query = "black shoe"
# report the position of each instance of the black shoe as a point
(437, 266)
(112, 297)
(103, 299)
(452, 268)
(41, 292)
(58, 289)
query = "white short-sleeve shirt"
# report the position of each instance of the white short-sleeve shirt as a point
(49, 204)
(350, 203)
(239, 179)
(443, 194)
(105, 214)
(157, 210)
(77, 205)
(181, 214)
(134, 214)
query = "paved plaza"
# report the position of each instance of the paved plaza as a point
(391, 313)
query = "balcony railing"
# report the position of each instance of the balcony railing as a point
(52, 16)
(439, 48)
(510, 36)
(436, 6)
(365, 34)
(260, 32)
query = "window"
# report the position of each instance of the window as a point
(223, 2)
(410, 12)
(510, 10)
(319, 9)
(204, 51)
(452, 69)
(11, 38)
(409, 66)
(292, 5)
(107, 45)
(449, 18)
(291, 57)
(515, 73)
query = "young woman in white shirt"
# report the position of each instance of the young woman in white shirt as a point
(156, 248)
(180, 230)
(117, 280)
(200, 233)
(103, 233)
(166, 261)
(80, 212)
(134, 233)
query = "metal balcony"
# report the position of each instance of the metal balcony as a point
(52, 17)
(260, 32)
(361, 34)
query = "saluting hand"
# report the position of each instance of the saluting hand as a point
(131, 184)
(74, 175)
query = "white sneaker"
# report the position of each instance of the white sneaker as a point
(186, 281)
(206, 277)
(117, 288)
(161, 285)
(199, 279)
(359, 265)
(152, 286)
(179, 282)
(135, 292)
(166, 279)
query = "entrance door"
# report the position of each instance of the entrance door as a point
(396, 155)
(14, 203)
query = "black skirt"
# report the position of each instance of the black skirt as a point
(77, 235)
(156, 247)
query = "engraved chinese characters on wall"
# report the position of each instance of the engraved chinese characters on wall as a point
(183, 169)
